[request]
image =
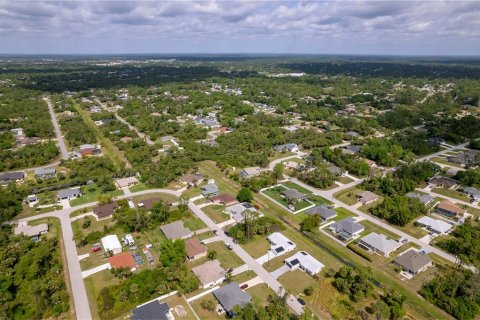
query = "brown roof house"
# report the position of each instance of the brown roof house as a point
(224, 199)
(413, 262)
(367, 197)
(195, 249)
(122, 260)
(450, 210)
(105, 210)
(148, 203)
(192, 179)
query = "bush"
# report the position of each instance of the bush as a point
(308, 291)
(359, 251)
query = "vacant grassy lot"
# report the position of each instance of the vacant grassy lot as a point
(205, 314)
(452, 194)
(194, 224)
(260, 293)
(228, 259)
(292, 185)
(345, 180)
(296, 281)
(91, 195)
(94, 284)
(216, 213)
(348, 196)
(257, 247)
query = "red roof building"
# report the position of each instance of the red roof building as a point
(122, 260)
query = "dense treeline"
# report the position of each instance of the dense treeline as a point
(10, 202)
(455, 290)
(246, 230)
(32, 280)
(76, 132)
(385, 152)
(399, 210)
(28, 156)
(417, 142)
(465, 243)
(348, 162)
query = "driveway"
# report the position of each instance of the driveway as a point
(89, 272)
(277, 273)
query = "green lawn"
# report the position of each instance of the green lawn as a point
(138, 187)
(91, 196)
(275, 193)
(215, 212)
(228, 259)
(296, 281)
(414, 231)
(343, 213)
(260, 293)
(257, 247)
(292, 185)
(318, 200)
(94, 284)
(371, 227)
(348, 196)
(205, 314)
(165, 197)
(194, 224)
(452, 193)
(344, 180)
(279, 155)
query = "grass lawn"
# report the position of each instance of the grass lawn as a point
(260, 293)
(205, 314)
(257, 247)
(279, 155)
(292, 185)
(371, 227)
(344, 180)
(444, 161)
(318, 200)
(452, 193)
(138, 187)
(165, 197)
(228, 259)
(275, 263)
(275, 193)
(348, 196)
(94, 284)
(194, 224)
(205, 235)
(296, 281)
(244, 276)
(91, 196)
(215, 212)
(175, 301)
(342, 213)
(412, 230)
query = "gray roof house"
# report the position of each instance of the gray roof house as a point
(379, 243)
(45, 172)
(423, 198)
(250, 172)
(71, 193)
(335, 170)
(175, 230)
(347, 228)
(293, 195)
(472, 192)
(152, 311)
(236, 211)
(413, 262)
(366, 197)
(325, 212)
(8, 177)
(290, 147)
(230, 296)
(210, 189)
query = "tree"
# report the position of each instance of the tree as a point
(278, 171)
(245, 195)
(212, 255)
(381, 310)
(159, 212)
(104, 199)
(308, 291)
(310, 223)
(86, 223)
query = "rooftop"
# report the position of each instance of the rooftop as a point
(413, 260)
(151, 311)
(193, 247)
(210, 271)
(231, 295)
(175, 230)
(122, 260)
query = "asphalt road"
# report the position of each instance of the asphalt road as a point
(251, 262)
(58, 132)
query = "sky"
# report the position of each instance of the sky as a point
(279, 27)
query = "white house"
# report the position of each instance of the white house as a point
(279, 244)
(305, 262)
(379, 243)
(112, 243)
(435, 225)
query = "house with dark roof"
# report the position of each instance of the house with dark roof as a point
(472, 192)
(225, 199)
(293, 195)
(69, 194)
(195, 249)
(148, 204)
(210, 190)
(423, 198)
(443, 182)
(288, 147)
(230, 296)
(105, 210)
(336, 170)
(413, 262)
(192, 179)
(44, 173)
(347, 228)
(9, 177)
(154, 310)
(325, 212)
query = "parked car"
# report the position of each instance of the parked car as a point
(301, 301)
(229, 247)
(96, 249)
(215, 232)
(227, 233)
(245, 286)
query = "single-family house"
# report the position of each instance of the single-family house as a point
(353, 149)
(423, 198)
(449, 209)
(192, 179)
(250, 172)
(443, 182)
(175, 230)
(148, 203)
(347, 228)
(34, 232)
(291, 165)
(237, 211)
(123, 260)
(434, 225)
(105, 210)
(293, 195)
(8, 177)
(44, 173)
(225, 199)
(473, 193)
(195, 249)
(230, 296)
(279, 244)
(69, 194)
(337, 171)
(352, 134)
(325, 212)
(210, 190)
(413, 262)
(379, 243)
(111, 243)
(288, 147)
(305, 262)
(154, 310)
(210, 273)
(292, 128)
(126, 182)
(367, 197)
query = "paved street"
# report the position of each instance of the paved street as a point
(251, 262)
(58, 132)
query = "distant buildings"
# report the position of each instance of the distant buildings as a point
(69, 194)
(44, 173)
(289, 147)
(250, 172)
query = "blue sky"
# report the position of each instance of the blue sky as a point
(317, 27)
